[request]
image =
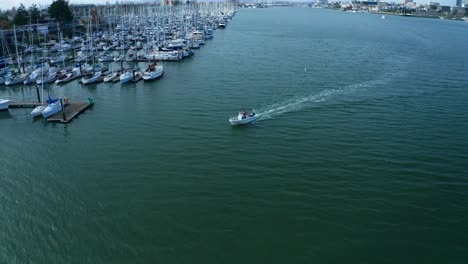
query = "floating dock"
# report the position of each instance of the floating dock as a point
(70, 111)
(24, 104)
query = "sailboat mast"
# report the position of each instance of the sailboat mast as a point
(16, 47)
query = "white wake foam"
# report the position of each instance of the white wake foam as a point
(303, 102)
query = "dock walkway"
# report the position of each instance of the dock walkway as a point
(70, 111)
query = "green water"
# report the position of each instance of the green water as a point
(360, 154)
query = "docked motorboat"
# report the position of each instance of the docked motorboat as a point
(153, 72)
(4, 104)
(64, 78)
(243, 118)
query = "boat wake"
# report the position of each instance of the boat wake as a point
(303, 102)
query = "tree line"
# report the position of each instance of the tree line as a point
(59, 9)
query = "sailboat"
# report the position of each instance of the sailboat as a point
(91, 77)
(126, 76)
(53, 108)
(40, 108)
(153, 71)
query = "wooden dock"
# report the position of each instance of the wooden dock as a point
(24, 104)
(70, 111)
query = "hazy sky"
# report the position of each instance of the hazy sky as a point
(5, 4)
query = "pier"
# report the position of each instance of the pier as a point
(24, 104)
(70, 110)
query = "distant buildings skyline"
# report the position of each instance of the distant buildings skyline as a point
(44, 3)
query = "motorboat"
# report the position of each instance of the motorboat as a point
(153, 72)
(91, 77)
(173, 55)
(64, 78)
(243, 118)
(4, 103)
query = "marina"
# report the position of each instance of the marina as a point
(110, 47)
(357, 152)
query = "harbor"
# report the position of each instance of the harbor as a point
(359, 145)
(117, 44)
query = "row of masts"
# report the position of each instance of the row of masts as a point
(153, 33)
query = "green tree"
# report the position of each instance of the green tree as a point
(34, 13)
(60, 10)
(21, 17)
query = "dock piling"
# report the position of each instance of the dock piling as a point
(38, 94)
(63, 109)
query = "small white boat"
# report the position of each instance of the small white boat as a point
(384, 17)
(243, 118)
(126, 77)
(111, 76)
(51, 109)
(64, 78)
(154, 71)
(37, 111)
(52, 75)
(16, 79)
(91, 78)
(105, 58)
(4, 104)
(58, 59)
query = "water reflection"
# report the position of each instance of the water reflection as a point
(5, 114)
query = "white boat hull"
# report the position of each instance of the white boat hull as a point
(51, 109)
(94, 78)
(110, 77)
(4, 104)
(65, 79)
(151, 75)
(38, 110)
(235, 121)
(124, 78)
